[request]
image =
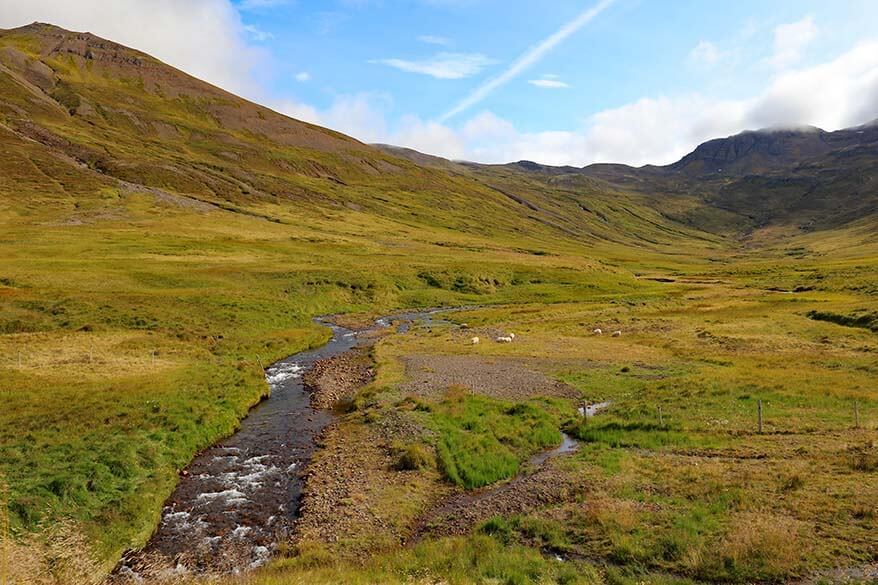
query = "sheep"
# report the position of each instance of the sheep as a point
(512, 336)
(475, 340)
(598, 332)
(617, 334)
(504, 339)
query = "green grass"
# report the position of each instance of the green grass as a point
(457, 561)
(866, 320)
(482, 441)
(640, 435)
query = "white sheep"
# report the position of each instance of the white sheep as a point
(512, 336)
(598, 332)
(475, 340)
(617, 334)
(504, 339)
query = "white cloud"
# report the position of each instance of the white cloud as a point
(207, 39)
(705, 53)
(430, 137)
(529, 58)
(298, 110)
(546, 83)
(202, 37)
(303, 77)
(257, 33)
(435, 40)
(362, 115)
(443, 65)
(790, 40)
(659, 130)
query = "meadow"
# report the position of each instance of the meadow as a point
(133, 339)
(131, 345)
(674, 482)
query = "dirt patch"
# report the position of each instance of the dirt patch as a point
(354, 495)
(337, 379)
(430, 375)
(460, 513)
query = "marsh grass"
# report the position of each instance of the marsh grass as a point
(481, 441)
(642, 435)
(457, 561)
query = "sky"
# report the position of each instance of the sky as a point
(564, 82)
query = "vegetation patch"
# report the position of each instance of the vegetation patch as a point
(865, 320)
(642, 435)
(482, 441)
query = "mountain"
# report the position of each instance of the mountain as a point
(807, 178)
(121, 117)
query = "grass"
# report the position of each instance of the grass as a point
(629, 434)
(482, 441)
(680, 484)
(475, 559)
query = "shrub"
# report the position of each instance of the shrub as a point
(68, 98)
(416, 457)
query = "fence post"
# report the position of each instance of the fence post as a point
(759, 410)
(661, 418)
(856, 414)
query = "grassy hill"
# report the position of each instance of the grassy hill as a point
(159, 238)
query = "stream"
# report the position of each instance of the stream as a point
(239, 498)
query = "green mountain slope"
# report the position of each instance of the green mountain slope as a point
(805, 179)
(808, 178)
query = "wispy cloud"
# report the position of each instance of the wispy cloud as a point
(529, 58)
(435, 40)
(257, 34)
(443, 65)
(549, 82)
(790, 41)
(705, 54)
(303, 76)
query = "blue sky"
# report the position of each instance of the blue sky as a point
(636, 81)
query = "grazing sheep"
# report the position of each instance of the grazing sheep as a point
(475, 340)
(512, 336)
(617, 334)
(598, 332)
(504, 340)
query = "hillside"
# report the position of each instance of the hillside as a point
(808, 178)
(805, 179)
